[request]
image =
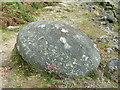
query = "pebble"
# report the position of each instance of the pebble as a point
(104, 23)
(109, 50)
(63, 4)
(49, 7)
(103, 39)
(12, 27)
(1, 51)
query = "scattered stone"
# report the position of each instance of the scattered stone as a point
(117, 47)
(1, 51)
(12, 27)
(49, 7)
(111, 69)
(103, 39)
(88, 7)
(104, 23)
(108, 8)
(113, 64)
(108, 16)
(109, 50)
(64, 4)
(93, 19)
(71, 52)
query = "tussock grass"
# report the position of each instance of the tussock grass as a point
(24, 75)
(17, 13)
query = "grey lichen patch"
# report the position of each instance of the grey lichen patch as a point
(96, 47)
(40, 37)
(77, 37)
(85, 57)
(42, 26)
(57, 26)
(64, 41)
(67, 46)
(74, 63)
(69, 64)
(64, 30)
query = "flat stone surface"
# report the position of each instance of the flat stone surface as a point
(71, 51)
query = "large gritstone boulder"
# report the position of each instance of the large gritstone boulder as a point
(50, 44)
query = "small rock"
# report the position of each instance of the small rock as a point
(108, 16)
(111, 69)
(103, 39)
(93, 19)
(117, 47)
(109, 50)
(12, 27)
(104, 23)
(63, 4)
(109, 8)
(109, 29)
(88, 7)
(113, 64)
(1, 51)
(49, 7)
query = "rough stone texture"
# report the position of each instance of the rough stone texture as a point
(113, 64)
(72, 52)
(111, 69)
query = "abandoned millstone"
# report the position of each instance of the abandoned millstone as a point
(50, 43)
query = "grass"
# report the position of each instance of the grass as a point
(94, 75)
(6, 35)
(24, 75)
(81, 20)
(15, 85)
(27, 73)
(4, 38)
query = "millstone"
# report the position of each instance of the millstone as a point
(64, 48)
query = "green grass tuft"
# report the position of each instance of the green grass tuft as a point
(94, 74)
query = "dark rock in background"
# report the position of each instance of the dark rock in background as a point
(47, 44)
(108, 16)
(111, 69)
(113, 64)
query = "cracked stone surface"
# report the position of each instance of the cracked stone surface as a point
(73, 53)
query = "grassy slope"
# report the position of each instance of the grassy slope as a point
(23, 76)
(17, 13)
